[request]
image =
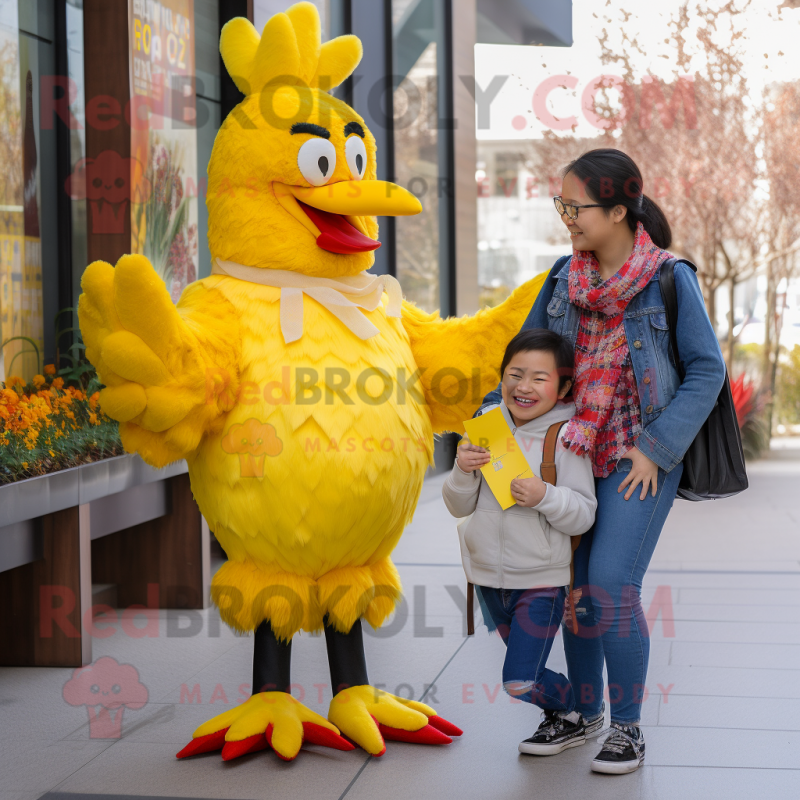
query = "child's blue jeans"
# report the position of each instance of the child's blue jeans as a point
(528, 620)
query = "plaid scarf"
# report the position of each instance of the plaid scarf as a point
(608, 418)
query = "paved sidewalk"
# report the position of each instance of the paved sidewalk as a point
(722, 719)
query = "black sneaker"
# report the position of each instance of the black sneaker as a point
(554, 735)
(622, 751)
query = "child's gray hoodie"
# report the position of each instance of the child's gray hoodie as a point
(521, 548)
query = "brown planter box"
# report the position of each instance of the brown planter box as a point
(116, 522)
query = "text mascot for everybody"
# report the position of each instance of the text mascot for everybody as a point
(308, 524)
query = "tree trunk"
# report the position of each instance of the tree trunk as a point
(772, 343)
(711, 305)
(769, 321)
(731, 321)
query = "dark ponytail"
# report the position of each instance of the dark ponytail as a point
(611, 177)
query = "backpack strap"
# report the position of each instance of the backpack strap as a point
(548, 469)
(549, 476)
(666, 282)
(470, 609)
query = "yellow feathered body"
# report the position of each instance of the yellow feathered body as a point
(342, 477)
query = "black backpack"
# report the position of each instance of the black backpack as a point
(713, 466)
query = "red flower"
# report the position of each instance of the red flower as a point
(743, 399)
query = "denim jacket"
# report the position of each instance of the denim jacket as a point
(672, 412)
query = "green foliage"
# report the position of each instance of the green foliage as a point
(787, 389)
(749, 358)
(755, 432)
(78, 372)
(491, 296)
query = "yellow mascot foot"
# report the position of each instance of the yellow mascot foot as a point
(268, 719)
(370, 716)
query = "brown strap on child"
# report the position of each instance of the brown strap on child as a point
(548, 473)
(470, 609)
(549, 476)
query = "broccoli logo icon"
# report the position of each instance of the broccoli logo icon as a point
(106, 688)
(252, 441)
(106, 182)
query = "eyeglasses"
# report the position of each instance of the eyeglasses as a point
(571, 210)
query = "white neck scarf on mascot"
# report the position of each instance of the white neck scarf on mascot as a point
(328, 292)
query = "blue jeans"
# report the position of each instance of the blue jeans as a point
(610, 564)
(528, 620)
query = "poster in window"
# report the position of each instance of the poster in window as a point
(164, 139)
(21, 323)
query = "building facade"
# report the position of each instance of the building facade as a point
(110, 109)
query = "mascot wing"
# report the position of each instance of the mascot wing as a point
(169, 372)
(460, 357)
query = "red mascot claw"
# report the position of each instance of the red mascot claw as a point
(252, 744)
(425, 735)
(204, 744)
(444, 726)
(316, 734)
(257, 713)
(371, 717)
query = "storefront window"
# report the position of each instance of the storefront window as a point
(419, 147)
(164, 152)
(77, 145)
(519, 235)
(207, 99)
(330, 13)
(28, 263)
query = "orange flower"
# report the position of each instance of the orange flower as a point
(36, 421)
(14, 380)
(39, 380)
(49, 369)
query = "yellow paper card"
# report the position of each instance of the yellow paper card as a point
(491, 431)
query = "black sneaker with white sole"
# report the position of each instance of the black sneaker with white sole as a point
(622, 751)
(555, 733)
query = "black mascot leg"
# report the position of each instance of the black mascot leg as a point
(272, 661)
(346, 657)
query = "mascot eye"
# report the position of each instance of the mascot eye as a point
(95, 689)
(356, 155)
(116, 688)
(317, 161)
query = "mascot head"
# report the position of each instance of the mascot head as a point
(291, 182)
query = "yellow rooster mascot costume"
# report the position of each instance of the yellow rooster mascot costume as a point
(303, 392)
